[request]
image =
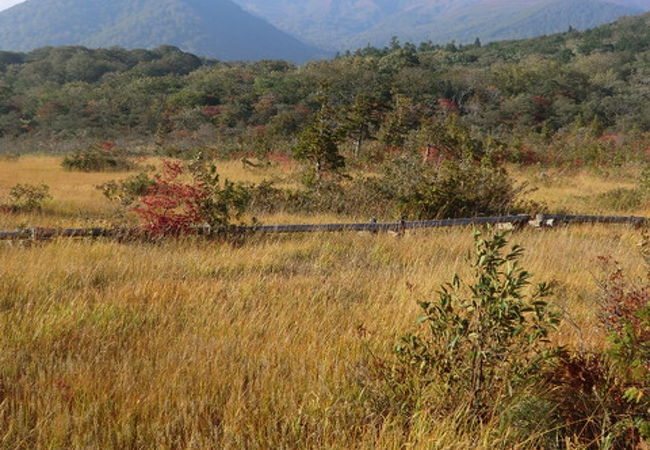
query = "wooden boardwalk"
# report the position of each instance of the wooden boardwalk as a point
(517, 221)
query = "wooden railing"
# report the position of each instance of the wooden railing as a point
(517, 221)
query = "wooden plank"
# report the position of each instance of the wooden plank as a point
(377, 227)
(14, 235)
(543, 220)
(552, 219)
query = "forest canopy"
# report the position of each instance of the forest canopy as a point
(599, 79)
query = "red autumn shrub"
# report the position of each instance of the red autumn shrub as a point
(171, 205)
(186, 196)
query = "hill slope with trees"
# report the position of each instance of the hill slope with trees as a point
(349, 24)
(529, 94)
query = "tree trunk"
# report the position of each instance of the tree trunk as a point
(357, 148)
(319, 169)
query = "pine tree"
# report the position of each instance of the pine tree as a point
(398, 122)
(358, 121)
(319, 143)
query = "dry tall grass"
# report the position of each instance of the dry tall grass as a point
(77, 202)
(188, 344)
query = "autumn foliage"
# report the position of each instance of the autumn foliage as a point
(186, 196)
(172, 205)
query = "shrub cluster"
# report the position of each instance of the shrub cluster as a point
(405, 188)
(99, 158)
(27, 198)
(185, 196)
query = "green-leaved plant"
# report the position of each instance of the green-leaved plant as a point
(485, 339)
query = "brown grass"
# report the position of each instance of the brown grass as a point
(188, 344)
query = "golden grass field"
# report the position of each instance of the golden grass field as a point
(188, 344)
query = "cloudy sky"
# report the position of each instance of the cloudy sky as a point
(4, 4)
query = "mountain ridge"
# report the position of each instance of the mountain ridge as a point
(217, 29)
(349, 24)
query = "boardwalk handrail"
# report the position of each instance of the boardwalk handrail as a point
(568, 219)
(542, 220)
(390, 226)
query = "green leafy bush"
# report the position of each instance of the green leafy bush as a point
(128, 190)
(222, 201)
(99, 158)
(482, 343)
(463, 189)
(28, 197)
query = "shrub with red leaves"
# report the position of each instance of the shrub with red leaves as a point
(171, 206)
(184, 197)
(590, 400)
(602, 399)
(625, 312)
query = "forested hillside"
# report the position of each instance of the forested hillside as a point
(218, 29)
(528, 89)
(349, 24)
(492, 21)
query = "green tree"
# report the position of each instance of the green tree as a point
(398, 122)
(358, 121)
(319, 142)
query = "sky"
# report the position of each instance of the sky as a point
(4, 4)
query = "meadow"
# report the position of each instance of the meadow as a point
(267, 343)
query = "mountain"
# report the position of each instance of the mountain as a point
(349, 24)
(326, 22)
(4, 4)
(494, 20)
(213, 28)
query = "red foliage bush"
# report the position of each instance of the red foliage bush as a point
(212, 111)
(184, 196)
(171, 206)
(624, 313)
(448, 105)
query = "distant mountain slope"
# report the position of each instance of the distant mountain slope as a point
(214, 28)
(494, 21)
(326, 23)
(345, 24)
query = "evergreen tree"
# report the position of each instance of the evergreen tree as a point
(358, 121)
(318, 143)
(398, 122)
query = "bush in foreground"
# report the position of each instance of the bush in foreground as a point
(482, 343)
(484, 357)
